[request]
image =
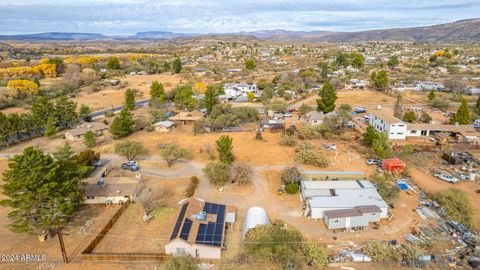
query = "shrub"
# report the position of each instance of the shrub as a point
(315, 255)
(290, 174)
(306, 154)
(386, 186)
(217, 173)
(181, 263)
(192, 186)
(381, 252)
(288, 140)
(292, 188)
(457, 205)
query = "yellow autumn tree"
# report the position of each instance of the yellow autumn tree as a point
(23, 87)
(14, 72)
(48, 70)
(440, 53)
(44, 61)
(200, 87)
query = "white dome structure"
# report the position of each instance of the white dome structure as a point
(255, 216)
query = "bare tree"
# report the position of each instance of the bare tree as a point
(148, 197)
(240, 173)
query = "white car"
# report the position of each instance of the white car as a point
(446, 177)
(372, 161)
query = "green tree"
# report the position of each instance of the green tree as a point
(315, 255)
(59, 65)
(342, 59)
(129, 101)
(457, 205)
(88, 157)
(398, 109)
(477, 106)
(304, 109)
(157, 95)
(85, 112)
(123, 124)
(16, 124)
(130, 149)
(224, 149)
(184, 98)
(65, 111)
(324, 70)
(328, 96)
(89, 139)
(386, 186)
(393, 62)
(409, 116)
(37, 82)
(379, 80)
(4, 127)
(217, 173)
(431, 95)
(370, 135)
(275, 244)
(177, 65)
(381, 146)
(172, 153)
(51, 127)
(112, 63)
(462, 116)
(358, 60)
(211, 97)
(250, 65)
(38, 192)
(42, 109)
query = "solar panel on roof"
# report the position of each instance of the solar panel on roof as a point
(214, 209)
(187, 225)
(207, 208)
(202, 230)
(176, 228)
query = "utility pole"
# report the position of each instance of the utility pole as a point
(62, 245)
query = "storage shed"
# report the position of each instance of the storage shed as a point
(255, 216)
(393, 164)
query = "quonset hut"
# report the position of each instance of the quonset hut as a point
(255, 216)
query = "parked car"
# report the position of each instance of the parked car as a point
(130, 165)
(105, 172)
(372, 161)
(97, 164)
(350, 124)
(327, 147)
(360, 109)
(446, 177)
(288, 114)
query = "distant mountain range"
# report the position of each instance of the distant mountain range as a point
(459, 31)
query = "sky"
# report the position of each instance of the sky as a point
(126, 17)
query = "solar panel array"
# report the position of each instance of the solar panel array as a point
(179, 222)
(186, 229)
(211, 233)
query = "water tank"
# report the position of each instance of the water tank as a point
(255, 216)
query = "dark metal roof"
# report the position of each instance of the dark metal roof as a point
(364, 209)
(343, 213)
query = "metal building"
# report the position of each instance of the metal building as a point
(255, 216)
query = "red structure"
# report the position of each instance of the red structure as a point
(393, 164)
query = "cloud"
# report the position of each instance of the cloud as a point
(208, 16)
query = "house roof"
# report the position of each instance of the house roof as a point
(386, 117)
(464, 130)
(110, 189)
(164, 124)
(366, 209)
(187, 116)
(201, 223)
(342, 213)
(84, 128)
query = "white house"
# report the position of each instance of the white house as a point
(316, 117)
(395, 128)
(427, 86)
(233, 90)
(319, 197)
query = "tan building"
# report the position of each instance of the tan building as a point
(109, 191)
(187, 117)
(200, 228)
(164, 126)
(77, 133)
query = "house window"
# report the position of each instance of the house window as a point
(399, 133)
(180, 251)
(413, 132)
(373, 214)
(335, 221)
(400, 125)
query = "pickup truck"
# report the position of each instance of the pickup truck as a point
(446, 177)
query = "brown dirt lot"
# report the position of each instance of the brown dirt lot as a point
(430, 184)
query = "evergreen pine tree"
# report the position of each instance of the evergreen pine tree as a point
(123, 124)
(328, 96)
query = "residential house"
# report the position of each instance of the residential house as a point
(429, 85)
(272, 124)
(316, 117)
(77, 133)
(357, 217)
(109, 191)
(200, 229)
(164, 126)
(473, 91)
(233, 90)
(395, 128)
(187, 117)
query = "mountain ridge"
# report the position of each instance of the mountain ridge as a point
(467, 30)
